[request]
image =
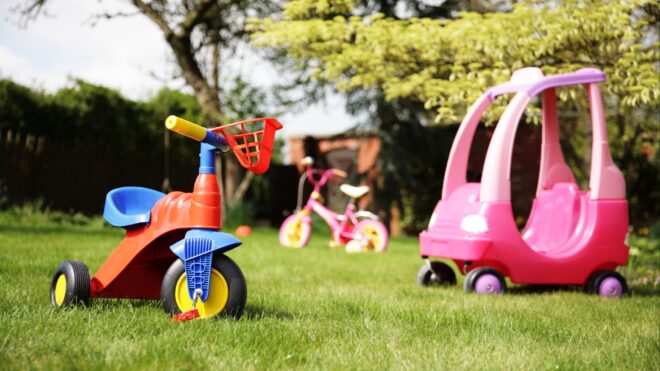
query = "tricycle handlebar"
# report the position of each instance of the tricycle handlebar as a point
(194, 131)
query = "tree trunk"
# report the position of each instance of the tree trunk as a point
(204, 93)
(206, 89)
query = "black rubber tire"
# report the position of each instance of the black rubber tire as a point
(444, 275)
(471, 278)
(589, 286)
(77, 284)
(227, 268)
(468, 285)
(597, 278)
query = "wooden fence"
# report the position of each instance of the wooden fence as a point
(73, 180)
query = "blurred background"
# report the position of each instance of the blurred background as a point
(374, 88)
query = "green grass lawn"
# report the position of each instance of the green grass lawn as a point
(311, 308)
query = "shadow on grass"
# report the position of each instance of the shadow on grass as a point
(541, 289)
(645, 291)
(258, 312)
(127, 303)
(251, 313)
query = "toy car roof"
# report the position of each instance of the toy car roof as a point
(532, 81)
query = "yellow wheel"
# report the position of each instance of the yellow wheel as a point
(70, 285)
(60, 290)
(227, 295)
(214, 303)
(295, 231)
(373, 233)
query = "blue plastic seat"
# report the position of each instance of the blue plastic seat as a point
(130, 206)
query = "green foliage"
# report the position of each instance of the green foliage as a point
(447, 64)
(92, 117)
(316, 9)
(644, 264)
(88, 119)
(244, 101)
(101, 119)
(21, 109)
(36, 212)
(241, 213)
(173, 102)
(83, 116)
(4, 199)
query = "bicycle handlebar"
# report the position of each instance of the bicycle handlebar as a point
(339, 173)
(196, 132)
(307, 162)
(325, 175)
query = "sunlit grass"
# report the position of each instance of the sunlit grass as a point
(311, 308)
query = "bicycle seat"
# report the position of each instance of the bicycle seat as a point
(130, 206)
(354, 192)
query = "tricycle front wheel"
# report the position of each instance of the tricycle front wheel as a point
(227, 296)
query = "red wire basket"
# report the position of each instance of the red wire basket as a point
(251, 141)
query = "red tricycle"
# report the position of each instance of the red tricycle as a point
(173, 249)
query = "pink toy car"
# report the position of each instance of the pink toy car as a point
(572, 236)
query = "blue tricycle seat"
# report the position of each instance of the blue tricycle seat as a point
(130, 206)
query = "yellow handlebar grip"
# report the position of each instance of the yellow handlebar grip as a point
(186, 128)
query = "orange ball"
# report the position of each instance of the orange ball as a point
(243, 230)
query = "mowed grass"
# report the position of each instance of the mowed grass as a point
(312, 308)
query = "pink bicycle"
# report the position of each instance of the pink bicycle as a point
(359, 230)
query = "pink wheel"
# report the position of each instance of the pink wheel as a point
(488, 284)
(609, 284)
(485, 280)
(295, 231)
(610, 287)
(375, 234)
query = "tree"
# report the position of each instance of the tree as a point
(444, 64)
(199, 33)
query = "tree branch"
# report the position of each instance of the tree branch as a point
(94, 19)
(155, 16)
(181, 45)
(28, 12)
(194, 17)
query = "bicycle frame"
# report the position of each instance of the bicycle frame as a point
(341, 225)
